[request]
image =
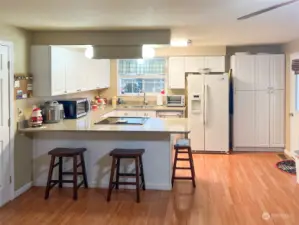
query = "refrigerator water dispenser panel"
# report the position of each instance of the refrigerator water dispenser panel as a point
(196, 103)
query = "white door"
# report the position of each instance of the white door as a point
(177, 72)
(4, 127)
(262, 115)
(196, 112)
(216, 112)
(277, 112)
(58, 67)
(277, 71)
(194, 64)
(294, 108)
(244, 119)
(244, 78)
(215, 63)
(262, 72)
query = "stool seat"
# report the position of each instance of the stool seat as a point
(126, 152)
(65, 152)
(182, 144)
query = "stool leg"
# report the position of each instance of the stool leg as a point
(60, 171)
(75, 176)
(50, 177)
(192, 167)
(142, 173)
(111, 179)
(84, 170)
(137, 180)
(174, 166)
(117, 173)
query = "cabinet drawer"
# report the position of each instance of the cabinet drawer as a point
(110, 114)
(146, 114)
(126, 113)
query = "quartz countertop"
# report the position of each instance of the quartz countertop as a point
(86, 124)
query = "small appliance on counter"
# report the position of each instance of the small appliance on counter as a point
(175, 100)
(51, 112)
(36, 117)
(75, 108)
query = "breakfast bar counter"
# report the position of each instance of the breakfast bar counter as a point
(155, 136)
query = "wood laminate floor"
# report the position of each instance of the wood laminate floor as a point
(231, 189)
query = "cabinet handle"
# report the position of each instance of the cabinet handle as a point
(65, 92)
(79, 90)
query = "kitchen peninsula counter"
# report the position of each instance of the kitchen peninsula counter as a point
(155, 136)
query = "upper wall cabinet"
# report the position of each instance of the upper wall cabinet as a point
(59, 71)
(196, 64)
(176, 72)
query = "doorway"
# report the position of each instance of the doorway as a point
(6, 112)
(294, 107)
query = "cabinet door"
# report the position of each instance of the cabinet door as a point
(277, 106)
(177, 73)
(244, 79)
(58, 71)
(215, 63)
(122, 113)
(151, 114)
(73, 62)
(194, 64)
(277, 71)
(262, 118)
(262, 72)
(244, 119)
(105, 73)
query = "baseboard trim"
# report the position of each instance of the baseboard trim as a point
(23, 189)
(164, 187)
(289, 154)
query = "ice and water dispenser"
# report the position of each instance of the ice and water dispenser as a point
(196, 103)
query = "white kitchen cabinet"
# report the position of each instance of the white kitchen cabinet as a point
(215, 63)
(99, 74)
(48, 66)
(177, 72)
(262, 122)
(244, 119)
(105, 73)
(74, 72)
(262, 72)
(111, 114)
(244, 73)
(194, 64)
(151, 114)
(126, 113)
(277, 110)
(277, 72)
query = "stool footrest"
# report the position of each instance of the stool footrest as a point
(124, 183)
(56, 164)
(183, 159)
(128, 174)
(80, 184)
(63, 181)
(71, 173)
(182, 152)
(182, 178)
(183, 168)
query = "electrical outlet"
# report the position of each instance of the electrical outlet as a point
(20, 112)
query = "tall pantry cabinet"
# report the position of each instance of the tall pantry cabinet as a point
(259, 101)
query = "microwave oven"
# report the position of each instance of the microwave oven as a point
(175, 100)
(75, 108)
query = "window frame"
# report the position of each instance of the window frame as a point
(144, 76)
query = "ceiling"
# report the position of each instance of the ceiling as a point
(205, 22)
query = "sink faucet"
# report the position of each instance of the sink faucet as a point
(144, 99)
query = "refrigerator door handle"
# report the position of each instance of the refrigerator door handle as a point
(202, 103)
(206, 104)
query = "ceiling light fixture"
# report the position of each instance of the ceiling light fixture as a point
(148, 52)
(89, 52)
(180, 43)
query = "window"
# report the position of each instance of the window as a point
(141, 75)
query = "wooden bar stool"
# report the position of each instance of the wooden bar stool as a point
(183, 147)
(117, 155)
(67, 152)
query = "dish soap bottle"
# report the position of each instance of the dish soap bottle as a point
(160, 98)
(114, 101)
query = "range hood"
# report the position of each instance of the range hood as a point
(117, 52)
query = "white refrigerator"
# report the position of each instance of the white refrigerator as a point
(208, 112)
